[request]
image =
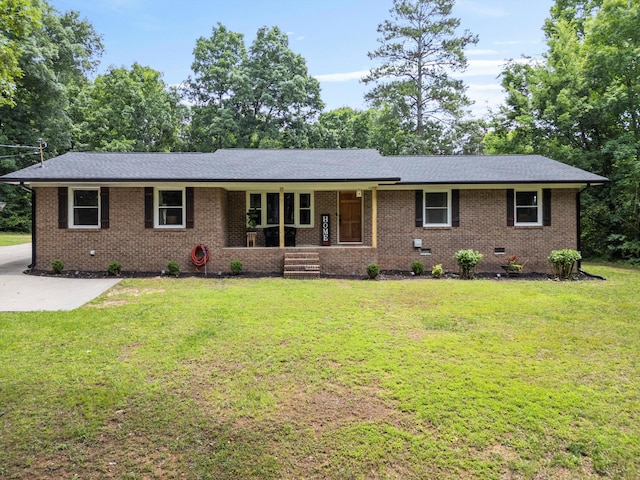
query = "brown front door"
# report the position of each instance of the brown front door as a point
(350, 217)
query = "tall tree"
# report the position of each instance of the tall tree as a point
(260, 98)
(214, 87)
(419, 49)
(18, 19)
(129, 110)
(581, 106)
(280, 95)
(55, 61)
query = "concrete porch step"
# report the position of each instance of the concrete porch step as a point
(302, 265)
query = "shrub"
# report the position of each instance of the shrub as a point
(373, 270)
(417, 268)
(563, 262)
(467, 261)
(114, 268)
(173, 268)
(437, 270)
(57, 266)
(236, 267)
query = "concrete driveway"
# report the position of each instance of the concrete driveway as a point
(30, 293)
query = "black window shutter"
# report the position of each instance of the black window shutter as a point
(510, 207)
(104, 207)
(455, 207)
(190, 207)
(546, 207)
(419, 208)
(63, 207)
(148, 207)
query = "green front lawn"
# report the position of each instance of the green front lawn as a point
(7, 238)
(245, 378)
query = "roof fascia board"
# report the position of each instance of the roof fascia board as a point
(231, 186)
(488, 185)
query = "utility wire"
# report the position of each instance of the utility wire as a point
(18, 155)
(20, 146)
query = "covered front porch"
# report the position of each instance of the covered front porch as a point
(304, 216)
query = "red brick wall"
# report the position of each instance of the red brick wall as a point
(127, 240)
(482, 227)
(220, 225)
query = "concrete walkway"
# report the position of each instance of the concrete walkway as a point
(30, 293)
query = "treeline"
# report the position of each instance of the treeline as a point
(579, 105)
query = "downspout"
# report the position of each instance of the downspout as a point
(33, 224)
(579, 223)
(579, 233)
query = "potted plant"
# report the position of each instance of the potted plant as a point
(252, 219)
(512, 265)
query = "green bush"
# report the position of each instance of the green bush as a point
(373, 270)
(57, 266)
(173, 268)
(236, 267)
(417, 268)
(563, 262)
(114, 268)
(437, 270)
(467, 261)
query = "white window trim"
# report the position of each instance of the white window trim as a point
(424, 209)
(296, 212)
(539, 207)
(156, 207)
(72, 207)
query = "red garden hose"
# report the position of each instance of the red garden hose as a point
(199, 256)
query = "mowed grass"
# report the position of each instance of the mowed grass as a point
(271, 379)
(7, 238)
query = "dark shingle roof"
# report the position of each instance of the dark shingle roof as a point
(484, 169)
(336, 165)
(237, 165)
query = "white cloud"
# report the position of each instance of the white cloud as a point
(341, 77)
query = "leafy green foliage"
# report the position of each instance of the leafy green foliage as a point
(114, 268)
(417, 268)
(57, 266)
(55, 61)
(564, 261)
(173, 268)
(18, 19)
(262, 97)
(373, 270)
(236, 267)
(129, 110)
(467, 261)
(580, 106)
(437, 270)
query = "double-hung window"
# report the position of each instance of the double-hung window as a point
(527, 207)
(265, 208)
(169, 208)
(437, 209)
(84, 208)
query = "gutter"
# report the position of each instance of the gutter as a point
(33, 223)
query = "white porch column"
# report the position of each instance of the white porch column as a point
(374, 217)
(281, 217)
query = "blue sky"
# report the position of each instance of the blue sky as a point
(333, 36)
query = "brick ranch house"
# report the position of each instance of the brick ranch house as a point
(343, 208)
